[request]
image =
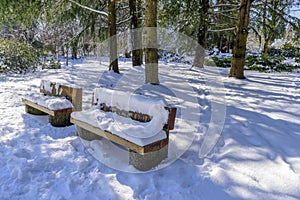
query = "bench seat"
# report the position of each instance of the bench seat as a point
(56, 100)
(51, 103)
(137, 122)
(95, 117)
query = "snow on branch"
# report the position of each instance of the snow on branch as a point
(224, 5)
(125, 20)
(90, 9)
(221, 30)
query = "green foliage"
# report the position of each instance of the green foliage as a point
(267, 63)
(209, 62)
(297, 58)
(222, 62)
(51, 64)
(289, 47)
(262, 63)
(18, 57)
(287, 50)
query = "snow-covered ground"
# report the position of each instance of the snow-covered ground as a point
(256, 157)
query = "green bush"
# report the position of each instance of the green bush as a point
(52, 64)
(290, 47)
(287, 50)
(17, 57)
(209, 62)
(297, 58)
(222, 62)
(266, 63)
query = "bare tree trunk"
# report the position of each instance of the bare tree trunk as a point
(136, 33)
(74, 46)
(266, 46)
(270, 28)
(201, 36)
(112, 33)
(264, 28)
(239, 48)
(67, 55)
(151, 53)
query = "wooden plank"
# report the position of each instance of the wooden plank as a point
(46, 110)
(63, 112)
(108, 136)
(41, 108)
(117, 139)
(171, 119)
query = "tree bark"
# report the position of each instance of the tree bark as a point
(239, 48)
(270, 27)
(136, 33)
(151, 53)
(201, 35)
(74, 46)
(112, 33)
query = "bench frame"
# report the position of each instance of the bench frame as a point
(57, 118)
(141, 157)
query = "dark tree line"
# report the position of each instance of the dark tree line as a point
(75, 25)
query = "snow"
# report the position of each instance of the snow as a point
(50, 102)
(140, 133)
(257, 155)
(46, 85)
(154, 107)
(133, 131)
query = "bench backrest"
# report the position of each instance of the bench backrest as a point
(56, 89)
(132, 106)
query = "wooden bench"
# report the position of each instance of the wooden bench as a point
(144, 153)
(56, 100)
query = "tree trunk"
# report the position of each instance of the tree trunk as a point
(266, 46)
(151, 53)
(74, 48)
(112, 33)
(67, 55)
(239, 48)
(201, 36)
(264, 28)
(136, 33)
(270, 28)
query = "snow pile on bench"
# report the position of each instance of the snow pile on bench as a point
(141, 133)
(50, 102)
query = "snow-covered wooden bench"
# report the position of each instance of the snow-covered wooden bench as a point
(136, 122)
(56, 100)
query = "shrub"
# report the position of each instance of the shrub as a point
(222, 62)
(51, 64)
(297, 58)
(266, 63)
(18, 57)
(287, 50)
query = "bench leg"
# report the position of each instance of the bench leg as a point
(87, 135)
(60, 121)
(149, 160)
(34, 111)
